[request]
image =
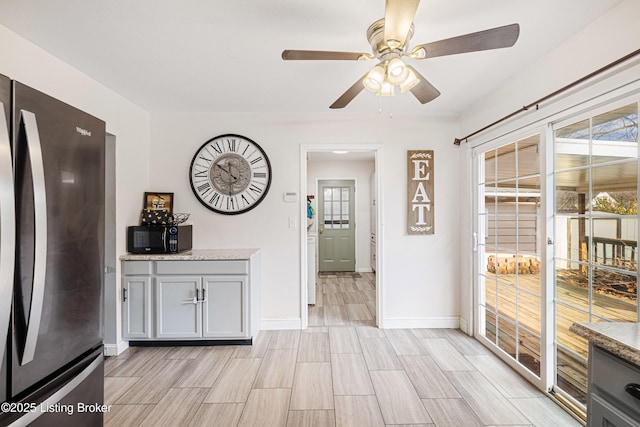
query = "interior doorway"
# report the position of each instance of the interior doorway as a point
(359, 164)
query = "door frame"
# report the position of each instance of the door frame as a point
(376, 149)
(355, 209)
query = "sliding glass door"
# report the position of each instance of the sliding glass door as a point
(596, 233)
(510, 250)
(557, 242)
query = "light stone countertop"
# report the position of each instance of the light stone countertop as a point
(621, 339)
(195, 255)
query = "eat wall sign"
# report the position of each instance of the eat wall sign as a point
(420, 192)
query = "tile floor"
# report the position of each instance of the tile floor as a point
(342, 371)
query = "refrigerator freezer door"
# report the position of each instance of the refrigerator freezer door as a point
(72, 148)
(7, 228)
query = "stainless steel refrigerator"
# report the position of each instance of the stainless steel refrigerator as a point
(51, 260)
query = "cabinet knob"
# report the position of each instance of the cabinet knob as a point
(633, 389)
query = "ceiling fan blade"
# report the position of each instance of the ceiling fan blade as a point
(494, 38)
(303, 55)
(351, 93)
(398, 18)
(424, 91)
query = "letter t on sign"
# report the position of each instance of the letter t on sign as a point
(420, 192)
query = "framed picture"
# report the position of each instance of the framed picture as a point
(158, 201)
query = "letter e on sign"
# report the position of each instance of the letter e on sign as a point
(420, 192)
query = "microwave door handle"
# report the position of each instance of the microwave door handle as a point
(40, 250)
(7, 230)
(164, 239)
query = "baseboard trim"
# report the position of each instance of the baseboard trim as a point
(272, 324)
(115, 349)
(422, 323)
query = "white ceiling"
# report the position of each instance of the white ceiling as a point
(224, 55)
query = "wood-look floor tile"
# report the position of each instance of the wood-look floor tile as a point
(465, 344)
(446, 355)
(358, 312)
(140, 362)
(112, 362)
(427, 378)
(316, 316)
(367, 332)
(284, 339)
(398, 400)
(371, 306)
(176, 408)
(344, 340)
(184, 352)
(541, 411)
(379, 354)
(352, 297)
(354, 411)
(277, 369)
(405, 343)
(157, 382)
(222, 414)
(312, 387)
(211, 361)
(333, 298)
(429, 333)
(317, 418)
(350, 375)
(503, 377)
(115, 387)
(486, 401)
(451, 412)
(256, 350)
(266, 407)
(314, 348)
(126, 415)
(336, 315)
(234, 382)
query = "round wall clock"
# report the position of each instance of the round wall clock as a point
(230, 174)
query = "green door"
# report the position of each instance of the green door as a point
(336, 228)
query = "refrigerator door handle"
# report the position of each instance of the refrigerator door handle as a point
(7, 230)
(40, 216)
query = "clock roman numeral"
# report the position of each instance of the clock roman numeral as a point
(216, 147)
(245, 201)
(215, 199)
(203, 189)
(256, 160)
(231, 144)
(201, 174)
(255, 189)
(205, 159)
(259, 174)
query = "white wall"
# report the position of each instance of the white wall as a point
(607, 39)
(23, 61)
(360, 171)
(421, 272)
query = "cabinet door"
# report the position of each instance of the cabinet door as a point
(178, 312)
(136, 307)
(225, 309)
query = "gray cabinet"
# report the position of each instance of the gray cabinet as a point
(190, 299)
(613, 390)
(136, 300)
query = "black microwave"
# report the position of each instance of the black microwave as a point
(159, 240)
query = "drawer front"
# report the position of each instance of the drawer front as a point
(612, 375)
(136, 267)
(202, 267)
(603, 413)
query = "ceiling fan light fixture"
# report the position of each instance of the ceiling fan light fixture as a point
(397, 71)
(374, 80)
(387, 89)
(409, 82)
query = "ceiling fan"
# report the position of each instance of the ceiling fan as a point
(389, 38)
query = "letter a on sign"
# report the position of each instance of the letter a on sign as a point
(420, 192)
